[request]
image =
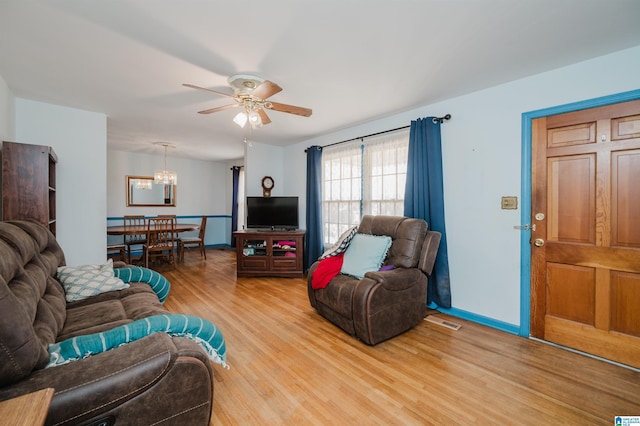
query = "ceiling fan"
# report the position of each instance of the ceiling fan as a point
(250, 93)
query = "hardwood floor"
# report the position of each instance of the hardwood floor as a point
(291, 366)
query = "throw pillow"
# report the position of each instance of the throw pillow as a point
(341, 245)
(84, 281)
(365, 253)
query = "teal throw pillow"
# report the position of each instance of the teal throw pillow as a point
(364, 254)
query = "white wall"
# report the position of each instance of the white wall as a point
(482, 154)
(265, 160)
(79, 139)
(201, 185)
(204, 188)
(295, 179)
(7, 112)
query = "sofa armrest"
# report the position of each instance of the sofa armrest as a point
(133, 375)
(395, 279)
(429, 251)
(386, 303)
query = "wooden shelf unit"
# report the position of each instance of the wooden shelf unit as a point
(29, 183)
(269, 253)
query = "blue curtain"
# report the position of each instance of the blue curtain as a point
(234, 203)
(313, 240)
(424, 198)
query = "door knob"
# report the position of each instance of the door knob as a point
(539, 242)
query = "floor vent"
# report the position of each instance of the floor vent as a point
(437, 320)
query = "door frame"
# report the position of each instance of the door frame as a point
(525, 212)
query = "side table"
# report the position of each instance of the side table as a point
(26, 410)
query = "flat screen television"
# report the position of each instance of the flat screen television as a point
(272, 213)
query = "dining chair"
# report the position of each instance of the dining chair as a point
(160, 240)
(134, 239)
(187, 242)
(168, 215)
(176, 236)
(117, 252)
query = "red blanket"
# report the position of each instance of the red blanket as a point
(327, 269)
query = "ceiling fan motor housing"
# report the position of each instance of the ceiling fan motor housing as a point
(244, 83)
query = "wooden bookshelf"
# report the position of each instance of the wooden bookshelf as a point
(29, 183)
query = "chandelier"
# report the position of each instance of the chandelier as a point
(165, 177)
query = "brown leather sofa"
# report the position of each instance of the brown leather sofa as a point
(158, 379)
(386, 303)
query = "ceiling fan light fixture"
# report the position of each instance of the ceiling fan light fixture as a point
(241, 119)
(254, 118)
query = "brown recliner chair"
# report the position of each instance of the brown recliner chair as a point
(386, 303)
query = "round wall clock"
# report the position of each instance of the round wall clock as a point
(267, 186)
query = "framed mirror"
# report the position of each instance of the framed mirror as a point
(143, 191)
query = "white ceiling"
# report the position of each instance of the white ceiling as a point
(351, 61)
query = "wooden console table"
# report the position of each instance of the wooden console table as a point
(269, 253)
(26, 410)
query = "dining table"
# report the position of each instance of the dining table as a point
(136, 230)
(142, 229)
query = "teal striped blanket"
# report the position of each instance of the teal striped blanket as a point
(197, 329)
(159, 284)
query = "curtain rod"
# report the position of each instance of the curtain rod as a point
(236, 167)
(438, 119)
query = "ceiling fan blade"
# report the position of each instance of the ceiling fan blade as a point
(291, 109)
(263, 116)
(220, 108)
(265, 90)
(208, 90)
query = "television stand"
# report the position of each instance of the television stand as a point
(269, 253)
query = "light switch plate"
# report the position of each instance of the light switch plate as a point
(509, 203)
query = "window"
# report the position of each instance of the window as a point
(341, 189)
(363, 177)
